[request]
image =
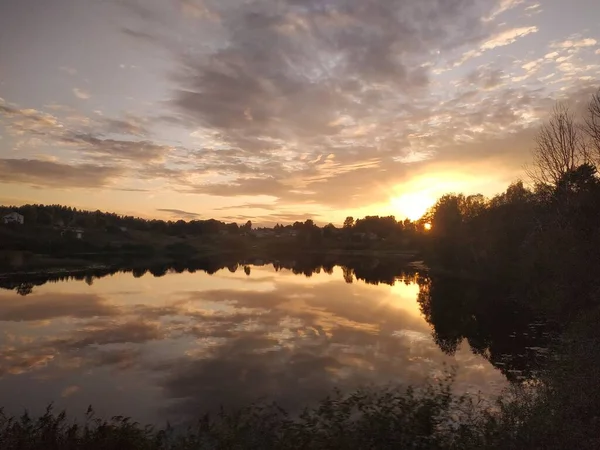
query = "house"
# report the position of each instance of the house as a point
(13, 217)
(77, 233)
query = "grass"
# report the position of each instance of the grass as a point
(431, 417)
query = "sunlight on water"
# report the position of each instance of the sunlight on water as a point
(172, 346)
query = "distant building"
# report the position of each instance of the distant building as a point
(13, 217)
(77, 233)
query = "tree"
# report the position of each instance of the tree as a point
(348, 274)
(349, 222)
(559, 148)
(329, 230)
(581, 179)
(592, 124)
(447, 214)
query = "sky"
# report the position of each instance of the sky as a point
(281, 110)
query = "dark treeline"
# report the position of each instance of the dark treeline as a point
(65, 216)
(59, 236)
(538, 246)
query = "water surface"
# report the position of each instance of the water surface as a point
(171, 347)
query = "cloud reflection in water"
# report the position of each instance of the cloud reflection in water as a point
(174, 346)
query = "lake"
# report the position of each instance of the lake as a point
(170, 347)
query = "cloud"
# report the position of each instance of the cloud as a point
(503, 6)
(266, 206)
(81, 94)
(536, 7)
(130, 189)
(285, 76)
(496, 40)
(197, 9)
(69, 391)
(107, 332)
(72, 132)
(22, 122)
(180, 213)
(318, 96)
(507, 37)
(121, 358)
(485, 77)
(125, 150)
(587, 42)
(57, 175)
(51, 306)
(130, 125)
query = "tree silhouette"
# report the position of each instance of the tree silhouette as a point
(559, 147)
(592, 125)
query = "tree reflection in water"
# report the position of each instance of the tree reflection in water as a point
(512, 337)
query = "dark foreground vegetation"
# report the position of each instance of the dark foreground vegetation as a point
(534, 251)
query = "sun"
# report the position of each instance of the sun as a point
(412, 205)
(427, 226)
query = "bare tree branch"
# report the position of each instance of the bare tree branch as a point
(592, 125)
(559, 147)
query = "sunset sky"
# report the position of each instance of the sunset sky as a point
(280, 110)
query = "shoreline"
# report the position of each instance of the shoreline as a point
(47, 265)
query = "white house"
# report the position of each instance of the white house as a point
(13, 217)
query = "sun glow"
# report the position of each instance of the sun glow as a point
(412, 205)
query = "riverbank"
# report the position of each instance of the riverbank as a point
(38, 264)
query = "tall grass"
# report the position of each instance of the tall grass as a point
(429, 417)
